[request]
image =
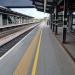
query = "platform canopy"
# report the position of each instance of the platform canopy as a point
(41, 5)
(16, 3)
(51, 4)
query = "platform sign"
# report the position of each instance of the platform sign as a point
(16, 3)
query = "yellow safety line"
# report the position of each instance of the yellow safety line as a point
(36, 57)
(22, 68)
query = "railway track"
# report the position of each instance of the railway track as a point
(8, 45)
(12, 30)
(4, 48)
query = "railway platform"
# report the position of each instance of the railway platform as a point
(38, 53)
(28, 46)
(53, 59)
(70, 41)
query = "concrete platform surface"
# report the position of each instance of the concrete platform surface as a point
(70, 41)
(53, 59)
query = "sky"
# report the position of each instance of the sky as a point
(31, 12)
(16, 3)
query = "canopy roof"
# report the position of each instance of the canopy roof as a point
(51, 4)
(39, 4)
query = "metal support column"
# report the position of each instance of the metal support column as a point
(53, 24)
(53, 28)
(56, 27)
(65, 21)
(51, 21)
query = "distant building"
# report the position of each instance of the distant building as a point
(9, 17)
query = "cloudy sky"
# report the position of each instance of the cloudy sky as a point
(31, 12)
